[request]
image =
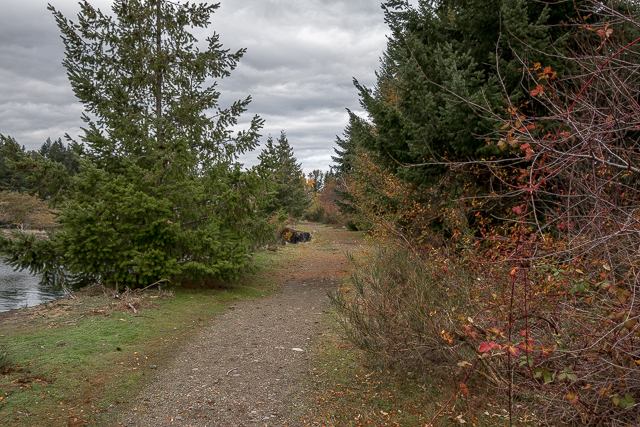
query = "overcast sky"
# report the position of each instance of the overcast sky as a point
(300, 61)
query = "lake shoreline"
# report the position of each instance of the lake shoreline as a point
(19, 289)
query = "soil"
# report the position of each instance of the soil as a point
(248, 367)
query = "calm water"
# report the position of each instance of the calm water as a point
(18, 289)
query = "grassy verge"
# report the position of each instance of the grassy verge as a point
(73, 361)
(344, 390)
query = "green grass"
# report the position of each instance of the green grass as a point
(74, 360)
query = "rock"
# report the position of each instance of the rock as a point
(293, 236)
(153, 366)
(297, 349)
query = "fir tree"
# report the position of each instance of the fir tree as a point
(159, 193)
(11, 153)
(283, 178)
(356, 134)
(57, 151)
(316, 180)
(443, 57)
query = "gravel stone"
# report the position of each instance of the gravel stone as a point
(238, 371)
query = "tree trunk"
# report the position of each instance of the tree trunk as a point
(159, 136)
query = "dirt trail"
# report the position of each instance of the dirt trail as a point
(248, 367)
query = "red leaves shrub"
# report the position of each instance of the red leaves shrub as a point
(541, 299)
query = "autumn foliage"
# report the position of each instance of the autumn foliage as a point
(520, 269)
(22, 211)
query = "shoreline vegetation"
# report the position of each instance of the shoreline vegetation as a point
(40, 234)
(69, 361)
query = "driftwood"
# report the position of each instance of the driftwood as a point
(68, 292)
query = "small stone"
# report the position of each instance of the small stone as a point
(297, 349)
(153, 366)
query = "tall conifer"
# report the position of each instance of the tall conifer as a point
(160, 193)
(283, 177)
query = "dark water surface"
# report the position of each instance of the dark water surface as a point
(19, 289)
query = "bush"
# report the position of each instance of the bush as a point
(323, 206)
(352, 226)
(398, 304)
(316, 211)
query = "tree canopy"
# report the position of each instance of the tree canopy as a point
(159, 193)
(283, 178)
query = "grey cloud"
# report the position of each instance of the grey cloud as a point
(300, 61)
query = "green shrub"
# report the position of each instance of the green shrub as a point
(397, 306)
(315, 212)
(352, 226)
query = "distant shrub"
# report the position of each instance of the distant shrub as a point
(323, 207)
(316, 211)
(352, 226)
(23, 211)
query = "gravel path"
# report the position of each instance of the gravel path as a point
(248, 367)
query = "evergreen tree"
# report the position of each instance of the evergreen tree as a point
(57, 151)
(356, 134)
(283, 178)
(159, 193)
(440, 92)
(442, 58)
(11, 153)
(316, 180)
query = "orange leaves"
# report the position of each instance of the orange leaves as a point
(537, 91)
(547, 74)
(547, 350)
(605, 32)
(469, 332)
(572, 398)
(486, 347)
(464, 389)
(514, 351)
(527, 151)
